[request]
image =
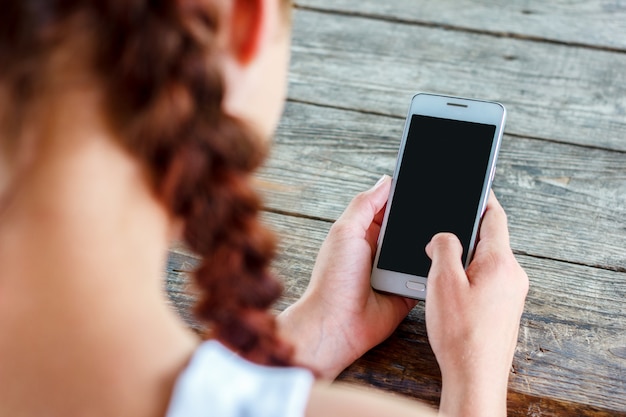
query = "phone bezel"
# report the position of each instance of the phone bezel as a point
(447, 107)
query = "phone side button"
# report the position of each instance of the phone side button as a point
(416, 286)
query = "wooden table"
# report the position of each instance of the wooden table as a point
(560, 69)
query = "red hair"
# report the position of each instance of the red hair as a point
(165, 91)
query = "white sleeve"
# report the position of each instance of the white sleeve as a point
(219, 383)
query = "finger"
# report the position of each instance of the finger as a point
(445, 251)
(494, 226)
(364, 208)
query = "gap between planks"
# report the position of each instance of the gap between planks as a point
(515, 252)
(415, 22)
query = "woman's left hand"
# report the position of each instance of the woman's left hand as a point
(340, 316)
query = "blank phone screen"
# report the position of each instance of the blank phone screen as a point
(438, 189)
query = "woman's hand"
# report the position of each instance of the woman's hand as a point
(473, 317)
(340, 317)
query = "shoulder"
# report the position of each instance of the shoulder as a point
(218, 382)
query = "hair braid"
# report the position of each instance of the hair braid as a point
(201, 160)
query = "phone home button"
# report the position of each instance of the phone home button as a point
(416, 286)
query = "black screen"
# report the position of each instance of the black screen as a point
(438, 189)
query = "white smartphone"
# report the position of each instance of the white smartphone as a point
(441, 183)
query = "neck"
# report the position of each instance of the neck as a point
(82, 244)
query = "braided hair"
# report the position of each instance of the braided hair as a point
(157, 60)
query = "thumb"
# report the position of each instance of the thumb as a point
(365, 206)
(445, 251)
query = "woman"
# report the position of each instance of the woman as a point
(125, 124)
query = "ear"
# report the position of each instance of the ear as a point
(247, 23)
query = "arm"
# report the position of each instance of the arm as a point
(342, 400)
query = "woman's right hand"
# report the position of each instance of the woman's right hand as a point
(473, 317)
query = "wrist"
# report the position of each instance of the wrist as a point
(473, 395)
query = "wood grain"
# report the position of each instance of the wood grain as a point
(555, 92)
(592, 23)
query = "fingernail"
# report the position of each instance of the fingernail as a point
(379, 182)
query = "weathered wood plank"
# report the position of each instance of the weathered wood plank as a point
(571, 345)
(178, 284)
(596, 23)
(564, 202)
(555, 92)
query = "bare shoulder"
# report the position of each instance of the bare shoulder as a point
(340, 400)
